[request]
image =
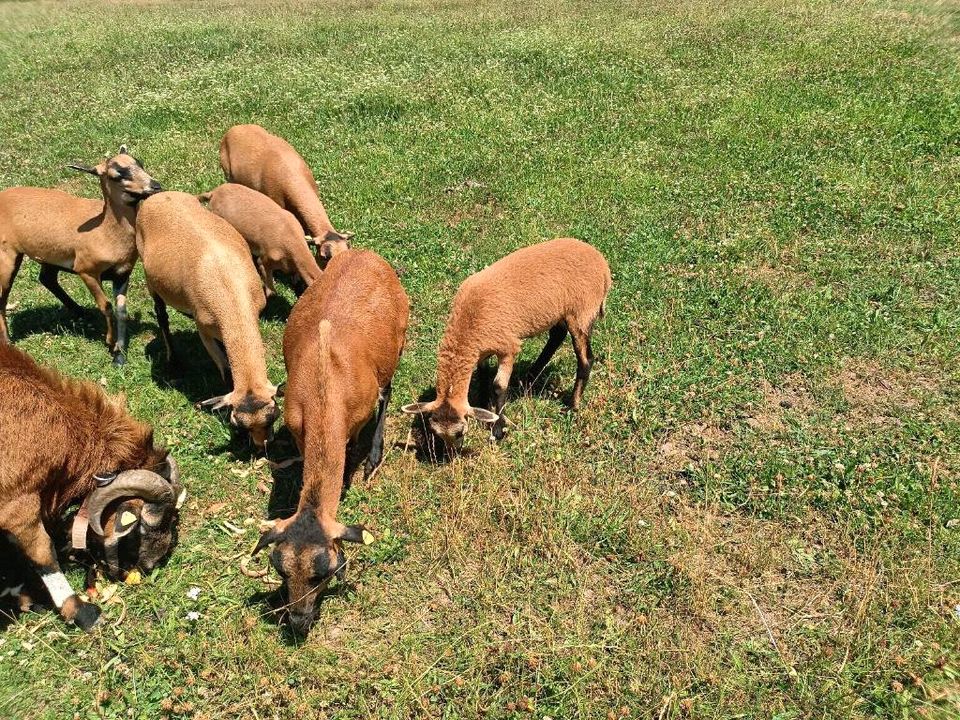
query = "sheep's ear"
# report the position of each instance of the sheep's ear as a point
(126, 520)
(356, 534)
(268, 538)
(122, 150)
(85, 168)
(484, 416)
(281, 389)
(418, 408)
(215, 403)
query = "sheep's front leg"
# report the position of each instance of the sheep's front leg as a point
(216, 354)
(501, 383)
(21, 518)
(103, 303)
(120, 285)
(266, 270)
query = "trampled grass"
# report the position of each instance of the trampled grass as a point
(751, 516)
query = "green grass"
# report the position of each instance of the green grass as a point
(751, 515)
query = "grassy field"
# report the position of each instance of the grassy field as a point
(756, 513)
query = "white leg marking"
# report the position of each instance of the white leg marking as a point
(13, 591)
(58, 587)
(121, 322)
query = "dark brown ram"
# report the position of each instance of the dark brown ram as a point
(63, 442)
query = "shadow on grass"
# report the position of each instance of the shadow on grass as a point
(195, 376)
(88, 323)
(272, 607)
(278, 308)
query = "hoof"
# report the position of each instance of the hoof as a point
(119, 360)
(87, 616)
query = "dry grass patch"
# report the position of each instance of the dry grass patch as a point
(689, 445)
(791, 397)
(875, 394)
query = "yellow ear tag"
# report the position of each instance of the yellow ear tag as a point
(133, 578)
(127, 518)
(367, 537)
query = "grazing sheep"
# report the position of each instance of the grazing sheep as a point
(197, 263)
(341, 346)
(560, 285)
(65, 441)
(273, 234)
(92, 238)
(251, 156)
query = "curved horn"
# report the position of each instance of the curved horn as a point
(131, 483)
(172, 474)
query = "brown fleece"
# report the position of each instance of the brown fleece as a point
(251, 156)
(197, 263)
(273, 234)
(57, 432)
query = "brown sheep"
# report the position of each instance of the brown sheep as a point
(92, 238)
(560, 285)
(273, 234)
(251, 156)
(65, 441)
(341, 346)
(197, 263)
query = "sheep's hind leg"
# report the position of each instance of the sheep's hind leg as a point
(163, 322)
(557, 334)
(49, 277)
(21, 518)
(376, 449)
(584, 353)
(9, 265)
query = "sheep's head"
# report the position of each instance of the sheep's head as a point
(447, 421)
(307, 556)
(252, 413)
(331, 244)
(134, 513)
(122, 177)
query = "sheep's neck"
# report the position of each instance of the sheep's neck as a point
(241, 337)
(315, 218)
(118, 216)
(456, 360)
(324, 456)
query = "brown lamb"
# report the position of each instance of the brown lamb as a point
(197, 263)
(341, 347)
(65, 441)
(273, 234)
(92, 238)
(560, 285)
(251, 156)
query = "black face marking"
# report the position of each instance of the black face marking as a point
(445, 415)
(306, 530)
(250, 404)
(122, 172)
(321, 567)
